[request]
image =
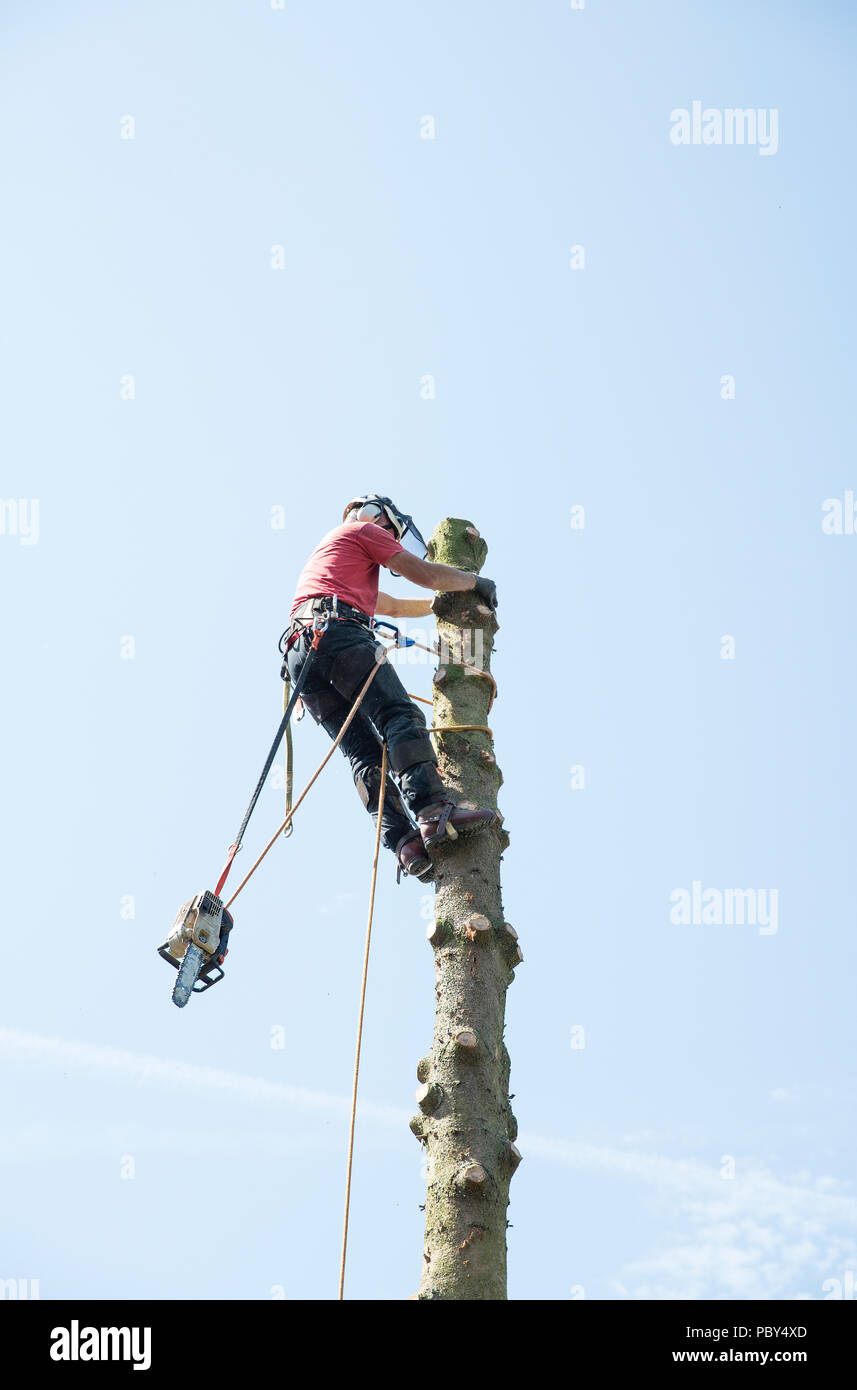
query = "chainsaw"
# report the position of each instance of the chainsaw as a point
(197, 945)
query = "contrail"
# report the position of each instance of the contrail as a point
(168, 1072)
(686, 1176)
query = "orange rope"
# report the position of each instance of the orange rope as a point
(451, 728)
(325, 760)
(360, 1018)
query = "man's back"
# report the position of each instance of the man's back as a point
(345, 563)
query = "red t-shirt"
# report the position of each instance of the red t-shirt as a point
(346, 563)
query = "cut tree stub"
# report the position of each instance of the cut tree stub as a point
(429, 1097)
(477, 922)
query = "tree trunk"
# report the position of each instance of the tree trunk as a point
(465, 1120)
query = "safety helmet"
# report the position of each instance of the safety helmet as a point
(369, 506)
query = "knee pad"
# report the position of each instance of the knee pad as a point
(408, 751)
(350, 667)
(368, 784)
(322, 703)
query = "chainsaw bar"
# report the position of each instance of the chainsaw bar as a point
(193, 961)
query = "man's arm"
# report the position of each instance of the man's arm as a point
(402, 607)
(443, 579)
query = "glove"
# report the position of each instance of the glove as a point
(486, 589)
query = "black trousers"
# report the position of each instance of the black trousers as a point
(346, 654)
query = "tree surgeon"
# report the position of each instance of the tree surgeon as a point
(339, 583)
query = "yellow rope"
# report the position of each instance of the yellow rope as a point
(468, 665)
(325, 760)
(360, 1018)
(451, 728)
(460, 728)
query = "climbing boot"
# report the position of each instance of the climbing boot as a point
(444, 822)
(413, 858)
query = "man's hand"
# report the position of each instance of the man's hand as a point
(486, 589)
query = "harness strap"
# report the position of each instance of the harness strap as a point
(263, 776)
(443, 818)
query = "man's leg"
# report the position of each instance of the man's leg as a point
(402, 726)
(361, 747)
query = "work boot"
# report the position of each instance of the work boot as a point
(413, 858)
(437, 822)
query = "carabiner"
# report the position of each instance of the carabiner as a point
(400, 641)
(319, 626)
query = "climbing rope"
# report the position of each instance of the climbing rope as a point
(360, 1016)
(290, 758)
(468, 665)
(460, 729)
(452, 728)
(284, 827)
(323, 764)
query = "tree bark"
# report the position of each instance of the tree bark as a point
(465, 1120)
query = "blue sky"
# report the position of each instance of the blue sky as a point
(710, 1049)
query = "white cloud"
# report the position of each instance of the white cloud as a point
(751, 1236)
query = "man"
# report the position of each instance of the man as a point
(340, 580)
